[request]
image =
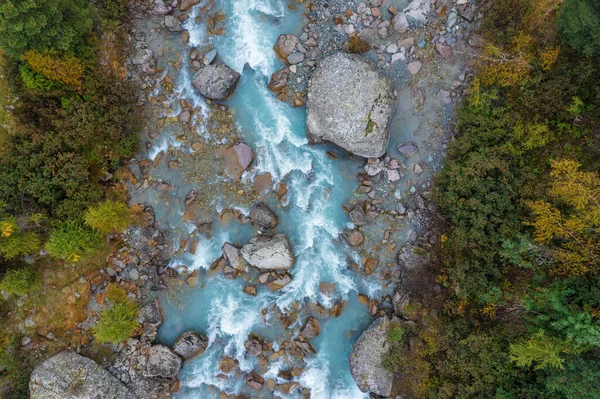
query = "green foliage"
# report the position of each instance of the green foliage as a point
(395, 334)
(20, 281)
(108, 217)
(71, 241)
(580, 25)
(117, 323)
(35, 81)
(540, 350)
(43, 24)
(580, 378)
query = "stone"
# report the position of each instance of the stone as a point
(190, 344)
(226, 364)
(444, 98)
(262, 182)
(68, 375)
(216, 82)
(285, 45)
(354, 237)
(279, 282)
(295, 58)
(253, 345)
(443, 50)
(373, 169)
(408, 149)
(237, 159)
(415, 67)
(184, 116)
(263, 216)
(367, 357)
(400, 22)
(297, 102)
(134, 275)
(398, 57)
(269, 253)
(336, 309)
(151, 318)
(190, 197)
(370, 265)
(311, 328)
(187, 4)
(255, 380)
(232, 254)
(418, 10)
(250, 290)
(393, 175)
(357, 215)
(209, 57)
(162, 362)
(279, 80)
(173, 24)
(350, 103)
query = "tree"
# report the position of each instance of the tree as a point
(120, 319)
(539, 349)
(20, 281)
(579, 23)
(573, 228)
(44, 24)
(108, 217)
(61, 68)
(71, 241)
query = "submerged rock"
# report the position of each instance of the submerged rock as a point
(190, 344)
(279, 80)
(263, 216)
(173, 24)
(162, 362)
(311, 328)
(237, 159)
(350, 104)
(216, 82)
(72, 376)
(279, 282)
(354, 237)
(367, 356)
(269, 253)
(255, 380)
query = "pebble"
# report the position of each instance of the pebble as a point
(415, 67)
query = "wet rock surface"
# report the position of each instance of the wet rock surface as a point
(350, 104)
(190, 344)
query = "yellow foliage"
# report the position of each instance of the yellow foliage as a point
(7, 228)
(507, 67)
(577, 226)
(548, 57)
(59, 68)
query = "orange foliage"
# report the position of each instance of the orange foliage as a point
(60, 68)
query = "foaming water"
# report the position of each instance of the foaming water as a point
(313, 221)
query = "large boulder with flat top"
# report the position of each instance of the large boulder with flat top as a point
(366, 359)
(350, 103)
(269, 253)
(216, 82)
(72, 376)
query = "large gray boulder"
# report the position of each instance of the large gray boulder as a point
(162, 362)
(269, 253)
(216, 82)
(72, 376)
(367, 356)
(350, 104)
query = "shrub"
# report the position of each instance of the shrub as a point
(71, 241)
(14, 241)
(117, 323)
(56, 67)
(35, 81)
(20, 281)
(108, 217)
(396, 334)
(356, 45)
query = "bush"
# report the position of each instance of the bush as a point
(117, 323)
(20, 281)
(56, 67)
(71, 241)
(108, 217)
(396, 334)
(14, 241)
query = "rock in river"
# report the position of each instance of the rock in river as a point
(367, 356)
(350, 104)
(72, 376)
(263, 216)
(173, 24)
(269, 253)
(162, 362)
(216, 82)
(190, 344)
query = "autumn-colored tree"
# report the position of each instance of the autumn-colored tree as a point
(572, 222)
(61, 68)
(507, 66)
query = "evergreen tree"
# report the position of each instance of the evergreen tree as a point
(580, 25)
